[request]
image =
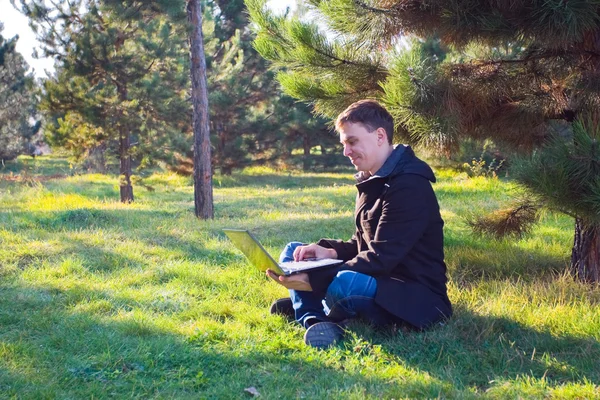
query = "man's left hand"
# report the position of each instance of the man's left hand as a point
(297, 281)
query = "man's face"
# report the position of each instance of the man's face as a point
(362, 147)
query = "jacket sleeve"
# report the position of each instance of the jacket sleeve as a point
(345, 250)
(407, 210)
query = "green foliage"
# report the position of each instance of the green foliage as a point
(553, 23)
(484, 165)
(566, 172)
(240, 91)
(125, 72)
(317, 69)
(513, 69)
(333, 71)
(302, 131)
(251, 122)
(100, 299)
(122, 72)
(409, 92)
(480, 167)
(18, 134)
(517, 220)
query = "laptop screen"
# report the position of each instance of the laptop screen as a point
(253, 250)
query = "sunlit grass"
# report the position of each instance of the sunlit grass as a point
(100, 299)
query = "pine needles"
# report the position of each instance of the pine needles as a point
(515, 221)
(566, 172)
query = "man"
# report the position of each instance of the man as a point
(393, 270)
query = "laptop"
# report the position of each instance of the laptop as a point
(258, 256)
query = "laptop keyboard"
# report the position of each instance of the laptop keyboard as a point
(300, 265)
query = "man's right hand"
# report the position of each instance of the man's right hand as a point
(313, 250)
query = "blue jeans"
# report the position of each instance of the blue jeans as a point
(350, 295)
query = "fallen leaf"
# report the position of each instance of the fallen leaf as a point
(252, 391)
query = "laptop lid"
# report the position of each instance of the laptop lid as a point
(253, 250)
(260, 258)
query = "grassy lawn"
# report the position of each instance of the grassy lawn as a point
(104, 300)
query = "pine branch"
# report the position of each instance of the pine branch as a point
(366, 7)
(515, 221)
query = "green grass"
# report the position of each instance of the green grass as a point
(104, 300)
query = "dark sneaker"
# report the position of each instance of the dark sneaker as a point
(323, 334)
(283, 307)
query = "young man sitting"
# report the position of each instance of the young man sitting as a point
(393, 270)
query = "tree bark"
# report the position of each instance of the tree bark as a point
(585, 256)
(95, 160)
(125, 187)
(203, 196)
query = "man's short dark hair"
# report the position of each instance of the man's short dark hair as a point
(369, 113)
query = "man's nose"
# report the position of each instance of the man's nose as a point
(347, 151)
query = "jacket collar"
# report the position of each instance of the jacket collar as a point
(386, 169)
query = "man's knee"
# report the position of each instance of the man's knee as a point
(288, 251)
(291, 246)
(345, 284)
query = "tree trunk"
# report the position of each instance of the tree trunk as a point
(95, 160)
(585, 257)
(221, 163)
(203, 197)
(125, 187)
(306, 147)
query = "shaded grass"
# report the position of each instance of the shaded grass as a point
(100, 299)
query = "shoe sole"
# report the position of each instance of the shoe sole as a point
(323, 336)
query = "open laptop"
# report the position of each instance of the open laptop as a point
(258, 256)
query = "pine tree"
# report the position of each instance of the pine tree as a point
(300, 129)
(243, 92)
(250, 121)
(121, 75)
(18, 125)
(524, 68)
(240, 87)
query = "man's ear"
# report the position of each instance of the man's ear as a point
(381, 135)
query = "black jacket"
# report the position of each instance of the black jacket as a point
(398, 241)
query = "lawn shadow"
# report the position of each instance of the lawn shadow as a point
(66, 352)
(36, 166)
(471, 259)
(486, 350)
(100, 352)
(75, 231)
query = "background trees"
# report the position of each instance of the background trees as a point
(121, 91)
(18, 124)
(251, 122)
(241, 89)
(521, 73)
(121, 78)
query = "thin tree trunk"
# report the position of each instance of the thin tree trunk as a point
(125, 187)
(585, 256)
(203, 196)
(221, 143)
(306, 147)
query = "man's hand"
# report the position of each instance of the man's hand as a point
(297, 281)
(313, 251)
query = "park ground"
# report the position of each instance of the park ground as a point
(104, 300)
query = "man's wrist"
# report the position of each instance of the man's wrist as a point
(332, 253)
